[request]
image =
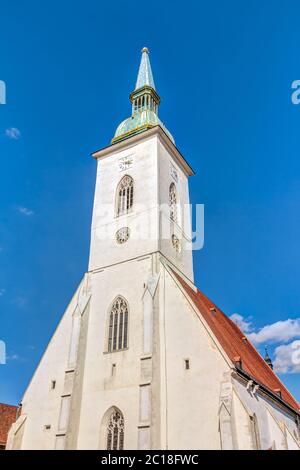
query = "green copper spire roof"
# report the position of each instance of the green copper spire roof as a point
(145, 102)
(145, 76)
(267, 358)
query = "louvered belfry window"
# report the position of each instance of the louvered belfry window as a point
(118, 325)
(115, 431)
(125, 195)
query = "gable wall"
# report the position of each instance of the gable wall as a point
(263, 407)
(191, 397)
(40, 404)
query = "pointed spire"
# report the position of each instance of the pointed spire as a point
(267, 358)
(145, 102)
(144, 97)
(145, 77)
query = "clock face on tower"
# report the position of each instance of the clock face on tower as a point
(125, 162)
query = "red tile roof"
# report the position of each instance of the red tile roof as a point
(236, 345)
(8, 415)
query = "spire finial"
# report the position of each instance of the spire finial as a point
(145, 49)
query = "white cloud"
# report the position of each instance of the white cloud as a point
(25, 211)
(281, 331)
(2, 292)
(13, 133)
(287, 358)
(16, 357)
(13, 357)
(243, 323)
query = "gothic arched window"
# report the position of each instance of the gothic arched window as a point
(115, 431)
(124, 195)
(118, 325)
(173, 202)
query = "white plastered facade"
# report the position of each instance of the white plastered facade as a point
(165, 404)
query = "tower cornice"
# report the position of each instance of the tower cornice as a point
(133, 140)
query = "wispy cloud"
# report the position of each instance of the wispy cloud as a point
(2, 292)
(25, 211)
(13, 357)
(283, 334)
(16, 357)
(13, 133)
(243, 323)
(278, 332)
(287, 358)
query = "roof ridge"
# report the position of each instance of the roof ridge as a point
(263, 362)
(236, 343)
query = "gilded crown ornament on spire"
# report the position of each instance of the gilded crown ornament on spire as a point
(145, 102)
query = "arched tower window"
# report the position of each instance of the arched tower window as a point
(173, 202)
(118, 325)
(124, 195)
(115, 431)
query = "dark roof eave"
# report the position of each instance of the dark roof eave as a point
(267, 390)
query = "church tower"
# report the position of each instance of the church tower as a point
(141, 359)
(141, 202)
(141, 215)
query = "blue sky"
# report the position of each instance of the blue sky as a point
(224, 72)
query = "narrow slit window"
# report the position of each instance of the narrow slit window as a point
(121, 324)
(255, 432)
(110, 330)
(115, 330)
(125, 329)
(109, 439)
